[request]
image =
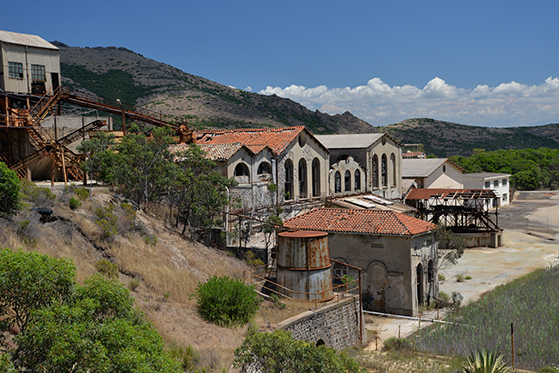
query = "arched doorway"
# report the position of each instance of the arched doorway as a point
(419, 279)
(377, 282)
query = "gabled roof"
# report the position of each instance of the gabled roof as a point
(255, 139)
(25, 39)
(427, 193)
(419, 167)
(360, 222)
(352, 141)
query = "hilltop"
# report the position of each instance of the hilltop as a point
(113, 73)
(445, 139)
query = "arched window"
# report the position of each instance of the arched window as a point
(241, 170)
(357, 180)
(393, 168)
(374, 171)
(288, 186)
(347, 181)
(264, 168)
(419, 283)
(384, 170)
(315, 177)
(302, 178)
(337, 182)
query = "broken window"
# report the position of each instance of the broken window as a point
(288, 186)
(315, 177)
(302, 178)
(347, 181)
(357, 180)
(374, 171)
(337, 182)
(15, 70)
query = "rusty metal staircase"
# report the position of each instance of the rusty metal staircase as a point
(55, 148)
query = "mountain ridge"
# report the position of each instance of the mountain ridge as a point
(178, 95)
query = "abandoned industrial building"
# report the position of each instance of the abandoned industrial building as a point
(397, 253)
(36, 140)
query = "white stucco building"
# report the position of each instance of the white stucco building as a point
(499, 183)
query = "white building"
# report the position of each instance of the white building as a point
(499, 183)
(433, 173)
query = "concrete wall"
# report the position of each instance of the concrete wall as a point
(336, 324)
(499, 184)
(393, 152)
(389, 269)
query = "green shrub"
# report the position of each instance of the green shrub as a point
(442, 277)
(468, 277)
(483, 361)
(82, 193)
(41, 196)
(187, 356)
(226, 301)
(444, 296)
(395, 344)
(74, 203)
(10, 186)
(106, 220)
(107, 268)
(460, 278)
(133, 284)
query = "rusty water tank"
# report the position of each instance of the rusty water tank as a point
(304, 265)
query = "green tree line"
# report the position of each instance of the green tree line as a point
(144, 169)
(530, 169)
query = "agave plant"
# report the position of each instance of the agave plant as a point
(485, 362)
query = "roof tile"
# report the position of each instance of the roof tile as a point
(360, 221)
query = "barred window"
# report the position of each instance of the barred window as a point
(15, 70)
(38, 73)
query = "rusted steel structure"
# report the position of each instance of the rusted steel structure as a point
(467, 212)
(303, 265)
(23, 141)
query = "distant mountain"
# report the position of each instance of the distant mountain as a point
(113, 73)
(444, 139)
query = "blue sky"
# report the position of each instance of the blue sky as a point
(489, 63)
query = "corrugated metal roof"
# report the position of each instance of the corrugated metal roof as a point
(25, 39)
(353, 141)
(360, 222)
(424, 167)
(485, 175)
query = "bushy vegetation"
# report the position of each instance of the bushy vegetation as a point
(279, 352)
(145, 171)
(226, 301)
(531, 169)
(66, 327)
(529, 303)
(9, 191)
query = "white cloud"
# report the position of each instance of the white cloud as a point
(508, 104)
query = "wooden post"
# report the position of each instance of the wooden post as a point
(64, 167)
(512, 343)
(399, 327)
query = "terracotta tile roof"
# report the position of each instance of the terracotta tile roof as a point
(426, 193)
(255, 139)
(217, 152)
(360, 222)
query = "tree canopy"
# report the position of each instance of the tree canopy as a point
(66, 327)
(144, 169)
(531, 169)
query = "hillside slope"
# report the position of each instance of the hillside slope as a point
(114, 73)
(445, 139)
(161, 268)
